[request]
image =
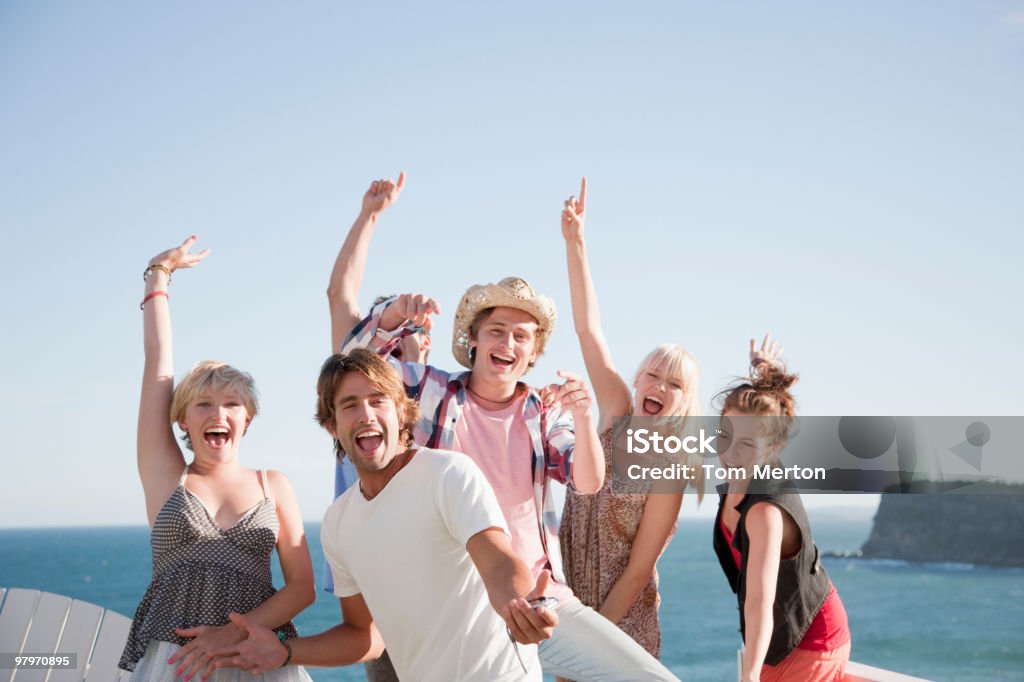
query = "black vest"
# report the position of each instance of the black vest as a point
(803, 583)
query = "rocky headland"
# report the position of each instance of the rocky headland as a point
(984, 526)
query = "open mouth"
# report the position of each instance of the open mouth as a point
(502, 360)
(368, 441)
(397, 353)
(652, 406)
(216, 437)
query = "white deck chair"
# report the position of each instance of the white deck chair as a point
(43, 623)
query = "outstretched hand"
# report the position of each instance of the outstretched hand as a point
(258, 653)
(770, 352)
(573, 214)
(531, 624)
(180, 257)
(573, 395)
(382, 193)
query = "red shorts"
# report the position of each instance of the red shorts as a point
(809, 666)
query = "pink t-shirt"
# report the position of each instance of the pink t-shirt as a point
(499, 442)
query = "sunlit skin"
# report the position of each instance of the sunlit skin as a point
(773, 534)
(740, 442)
(367, 425)
(656, 393)
(506, 345)
(216, 421)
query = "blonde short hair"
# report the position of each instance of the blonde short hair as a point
(217, 376)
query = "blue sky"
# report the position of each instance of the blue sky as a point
(846, 175)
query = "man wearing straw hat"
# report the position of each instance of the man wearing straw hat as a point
(520, 438)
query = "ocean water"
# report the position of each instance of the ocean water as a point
(941, 622)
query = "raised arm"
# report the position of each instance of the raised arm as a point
(770, 352)
(350, 265)
(159, 458)
(611, 391)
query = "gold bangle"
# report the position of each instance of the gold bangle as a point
(148, 271)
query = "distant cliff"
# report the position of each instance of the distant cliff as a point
(975, 528)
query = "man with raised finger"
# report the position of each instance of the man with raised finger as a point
(343, 299)
(520, 441)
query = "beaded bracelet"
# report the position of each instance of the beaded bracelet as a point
(153, 294)
(281, 637)
(156, 266)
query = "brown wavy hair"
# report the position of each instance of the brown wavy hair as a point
(381, 376)
(765, 393)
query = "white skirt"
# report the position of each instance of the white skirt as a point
(154, 668)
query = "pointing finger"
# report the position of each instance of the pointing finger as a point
(583, 193)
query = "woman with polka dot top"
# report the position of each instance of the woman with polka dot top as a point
(214, 522)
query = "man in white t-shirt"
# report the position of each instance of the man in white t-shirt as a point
(419, 549)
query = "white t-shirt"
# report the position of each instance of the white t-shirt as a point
(405, 552)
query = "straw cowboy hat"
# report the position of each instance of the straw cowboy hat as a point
(511, 292)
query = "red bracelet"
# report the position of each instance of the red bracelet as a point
(152, 295)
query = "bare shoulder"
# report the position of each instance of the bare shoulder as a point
(763, 516)
(767, 519)
(279, 483)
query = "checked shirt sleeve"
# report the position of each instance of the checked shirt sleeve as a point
(560, 442)
(368, 334)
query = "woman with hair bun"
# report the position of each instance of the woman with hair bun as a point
(793, 623)
(214, 522)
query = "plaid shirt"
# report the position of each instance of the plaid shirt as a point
(441, 396)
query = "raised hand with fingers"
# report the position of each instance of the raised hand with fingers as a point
(529, 623)
(382, 193)
(573, 214)
(260, 652)
(199, 656)
(179, 257)
(770, 352)
(414, 309)
(573, 395)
